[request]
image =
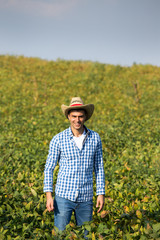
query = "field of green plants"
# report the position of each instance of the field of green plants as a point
(127, 114)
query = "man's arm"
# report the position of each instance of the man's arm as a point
(53, 157)
(100, 176)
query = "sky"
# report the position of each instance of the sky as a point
(119, 32)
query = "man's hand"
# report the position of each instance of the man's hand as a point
(49, 204)
(100, 202)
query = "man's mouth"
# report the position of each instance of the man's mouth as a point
(78, 124)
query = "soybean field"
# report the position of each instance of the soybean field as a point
(127, 118)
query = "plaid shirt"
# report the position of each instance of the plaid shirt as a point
(75, 176)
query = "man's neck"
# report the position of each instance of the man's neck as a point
(77, 132)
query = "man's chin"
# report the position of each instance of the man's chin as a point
(78, 127)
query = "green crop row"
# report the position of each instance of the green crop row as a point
(127, 114)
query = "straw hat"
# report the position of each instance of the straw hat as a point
(77, 103)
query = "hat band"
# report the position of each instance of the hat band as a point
(73, 105)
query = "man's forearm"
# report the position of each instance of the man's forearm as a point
(49, 195)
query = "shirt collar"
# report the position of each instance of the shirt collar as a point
(71, 134)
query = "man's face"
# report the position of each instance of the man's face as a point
(77, 119)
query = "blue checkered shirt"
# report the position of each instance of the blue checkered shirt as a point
(75, 176)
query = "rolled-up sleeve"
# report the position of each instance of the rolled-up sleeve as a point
(99, 169)
(51, 162)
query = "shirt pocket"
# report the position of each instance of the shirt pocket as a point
(67, 161)
(68, 158)
(69, 152)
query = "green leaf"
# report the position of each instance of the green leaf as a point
(88, 227)
(101, 228)
(156, 227)
(9, 208)
(33, 192)
(9, 237)
(20, 176)
(28, 206)
(2, 237)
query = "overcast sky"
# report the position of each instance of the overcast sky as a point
(108, 31)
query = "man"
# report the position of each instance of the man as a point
(78, 151)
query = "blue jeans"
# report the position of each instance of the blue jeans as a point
(63, 209)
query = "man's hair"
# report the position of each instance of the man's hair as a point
(77, 110)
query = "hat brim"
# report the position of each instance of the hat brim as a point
(89, 108)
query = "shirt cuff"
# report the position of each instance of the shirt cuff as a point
(48, 189)
(100, 192)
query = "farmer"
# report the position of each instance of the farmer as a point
(78, 151)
